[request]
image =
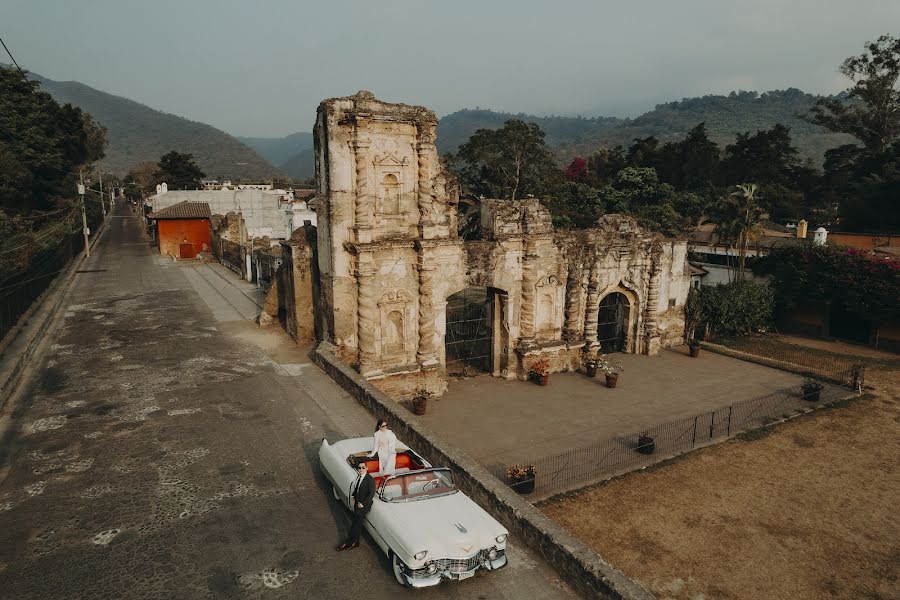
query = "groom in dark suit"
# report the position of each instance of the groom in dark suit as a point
(363, 494)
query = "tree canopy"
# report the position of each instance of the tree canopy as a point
(509, 162)
(872, 114)
(178, 171)
(43, 145)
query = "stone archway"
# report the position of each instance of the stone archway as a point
(613, 323)
(474, 336)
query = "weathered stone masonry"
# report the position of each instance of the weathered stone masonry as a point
(389, 257)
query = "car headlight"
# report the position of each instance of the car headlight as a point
(501, 538)
(420, 555)
(492, 554)
(432, 567)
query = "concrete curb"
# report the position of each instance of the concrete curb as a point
(19, 350)
(577, 565)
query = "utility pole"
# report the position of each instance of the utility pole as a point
(84, 227)
(102, 205)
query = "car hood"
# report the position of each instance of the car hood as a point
(451, 526)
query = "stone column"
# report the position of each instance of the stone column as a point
(425, 153)
(425, 354)
(591, 307)
(526, 321)
(573, 303)
(364, 215)
(651, 334)
(367, 315)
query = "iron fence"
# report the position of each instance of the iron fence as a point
(266, 266)
(20, 288)
(809, 362)
(229, 254)
(607, 458)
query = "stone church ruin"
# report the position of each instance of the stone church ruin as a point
(408, 302)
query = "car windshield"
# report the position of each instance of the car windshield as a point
(418, 485)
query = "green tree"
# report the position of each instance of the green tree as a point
(872, 110)
(509, 162)
(43, 145)
(178, 171)
(738, 220)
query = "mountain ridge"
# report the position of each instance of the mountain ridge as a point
(139, 133)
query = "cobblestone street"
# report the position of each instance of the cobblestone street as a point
(162, 446)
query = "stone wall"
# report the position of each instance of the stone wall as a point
(296, 276)
(390, 257)
(576, 564)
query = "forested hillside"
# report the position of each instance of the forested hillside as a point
(455, 129)
(738, 112)
(293, 154)
(138, 133)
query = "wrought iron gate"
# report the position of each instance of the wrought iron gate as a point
(468, 340)
(612, 324)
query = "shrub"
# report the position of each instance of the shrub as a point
(735, 308)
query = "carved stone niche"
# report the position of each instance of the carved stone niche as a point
(397, 339)
(549, 295)
(391, 187)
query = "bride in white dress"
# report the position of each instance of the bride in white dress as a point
(385, 446)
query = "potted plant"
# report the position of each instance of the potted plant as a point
(420, 401)
(646, 445)
(611, 370)
(521, 478)
(693, 317)
(540, 371)
(810, 389)
(694, 348)
(590, 367)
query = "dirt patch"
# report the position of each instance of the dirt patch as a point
(806, 512)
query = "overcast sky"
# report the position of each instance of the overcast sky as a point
(260, 68)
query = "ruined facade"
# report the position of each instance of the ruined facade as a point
(404, 298)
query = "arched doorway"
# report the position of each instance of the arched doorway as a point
(470, 340)
(612, 323)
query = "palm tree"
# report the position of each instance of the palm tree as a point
(738, 221)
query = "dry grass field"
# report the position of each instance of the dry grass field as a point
(804, 510)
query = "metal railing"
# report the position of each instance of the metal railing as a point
(266, 267)
(229, 254)
(18, 292)
(601, 460)
(809, 362)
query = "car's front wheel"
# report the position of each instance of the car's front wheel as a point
(398, 571)
(334, 491)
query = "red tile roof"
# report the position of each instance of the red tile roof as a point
(183, 210)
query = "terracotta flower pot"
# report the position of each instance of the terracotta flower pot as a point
(543, 379)
(812, 396)
(591, 370)
(523, 486)
(694, 350)
(419, 406)
(612, 379)
(646, 445)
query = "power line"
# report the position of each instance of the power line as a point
(13, 59)
(49, 230)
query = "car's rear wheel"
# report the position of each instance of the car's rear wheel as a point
(398, 571)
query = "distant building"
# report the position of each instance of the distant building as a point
(714, 262)
(183, 229)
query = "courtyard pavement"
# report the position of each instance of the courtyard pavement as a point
(501, 422)
(164, 446)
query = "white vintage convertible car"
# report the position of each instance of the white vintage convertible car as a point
(427, 527)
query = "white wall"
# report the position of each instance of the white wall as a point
(263, 212)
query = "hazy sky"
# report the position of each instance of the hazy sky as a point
(260, 68)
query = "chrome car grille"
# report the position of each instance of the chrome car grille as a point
(455, 565)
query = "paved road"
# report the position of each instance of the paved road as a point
(163, 446)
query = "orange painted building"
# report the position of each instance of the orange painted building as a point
(183, 229)
(865, 241)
